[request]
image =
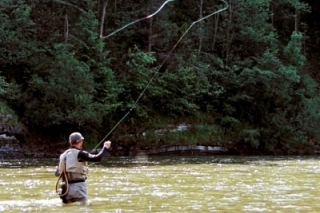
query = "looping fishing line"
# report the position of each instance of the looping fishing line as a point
(166, 58)
(138, 20)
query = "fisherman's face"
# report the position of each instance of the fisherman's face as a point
(81, 144)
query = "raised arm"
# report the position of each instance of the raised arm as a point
(86, 156)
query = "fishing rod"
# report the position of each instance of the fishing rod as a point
(163, 62)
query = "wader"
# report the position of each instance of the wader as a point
(72, 178)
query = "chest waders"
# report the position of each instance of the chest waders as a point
(62, 185)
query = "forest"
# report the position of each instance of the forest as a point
(237, 73)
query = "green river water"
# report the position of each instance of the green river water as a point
(170, 185)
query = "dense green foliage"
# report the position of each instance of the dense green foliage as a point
(241, 76)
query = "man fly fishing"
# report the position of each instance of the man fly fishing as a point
(73, 169)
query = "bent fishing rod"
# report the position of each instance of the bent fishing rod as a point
(163, 62)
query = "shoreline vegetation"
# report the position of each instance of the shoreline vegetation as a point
(165, 142)
(180, 139)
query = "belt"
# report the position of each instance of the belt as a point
(76, 181)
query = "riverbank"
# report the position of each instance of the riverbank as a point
(11, 148)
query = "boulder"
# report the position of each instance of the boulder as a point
(10, 147)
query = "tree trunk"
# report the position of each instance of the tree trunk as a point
(150, 32)
(103, 17)
(66, 29)
(216, 23)
(230, 33)
(200, 28)
(297, 20)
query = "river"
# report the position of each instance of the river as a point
(170, 184)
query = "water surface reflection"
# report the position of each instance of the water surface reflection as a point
(170, 184)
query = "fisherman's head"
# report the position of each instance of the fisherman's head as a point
(76, 139)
